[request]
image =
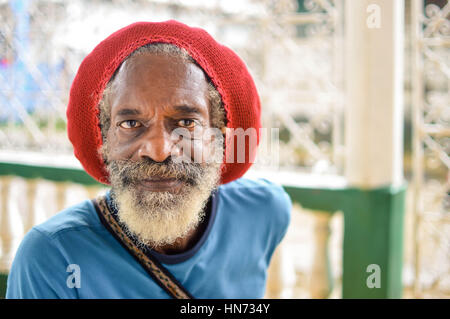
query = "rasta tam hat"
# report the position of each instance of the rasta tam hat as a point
(224, 68)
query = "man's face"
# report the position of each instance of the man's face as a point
(151, 96)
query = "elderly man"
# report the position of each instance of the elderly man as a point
(150, 113)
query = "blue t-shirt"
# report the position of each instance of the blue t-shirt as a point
(73, 255)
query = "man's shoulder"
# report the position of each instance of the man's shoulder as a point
(65, 228)
(81, 216)
(258, 196)
(39, 266)
(245, 182)
(257, 187)
(258, 203)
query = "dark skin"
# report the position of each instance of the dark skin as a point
(151, 96)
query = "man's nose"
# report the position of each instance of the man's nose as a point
(157, 145)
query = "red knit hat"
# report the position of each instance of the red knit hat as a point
(225, 69)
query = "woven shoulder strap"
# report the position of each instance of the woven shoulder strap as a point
(153, 267)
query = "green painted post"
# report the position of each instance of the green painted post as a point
(373, 214)
(373, 222)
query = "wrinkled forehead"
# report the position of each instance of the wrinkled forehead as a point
(160, 70)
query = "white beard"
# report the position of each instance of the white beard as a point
(159, 218)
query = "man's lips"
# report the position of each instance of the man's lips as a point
(158, 184)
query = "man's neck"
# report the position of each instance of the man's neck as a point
(185, 243)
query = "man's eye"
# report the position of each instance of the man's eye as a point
(187, 123)
(130, 124)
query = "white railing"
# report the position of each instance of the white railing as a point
(25, 202)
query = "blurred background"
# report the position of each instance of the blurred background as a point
(300, 53)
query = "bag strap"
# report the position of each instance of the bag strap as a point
(153, 267)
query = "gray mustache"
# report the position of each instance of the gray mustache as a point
(131, 172)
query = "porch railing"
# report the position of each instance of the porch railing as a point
(373, 225)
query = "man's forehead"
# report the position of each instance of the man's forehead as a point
(151, 79)
(160, 69)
